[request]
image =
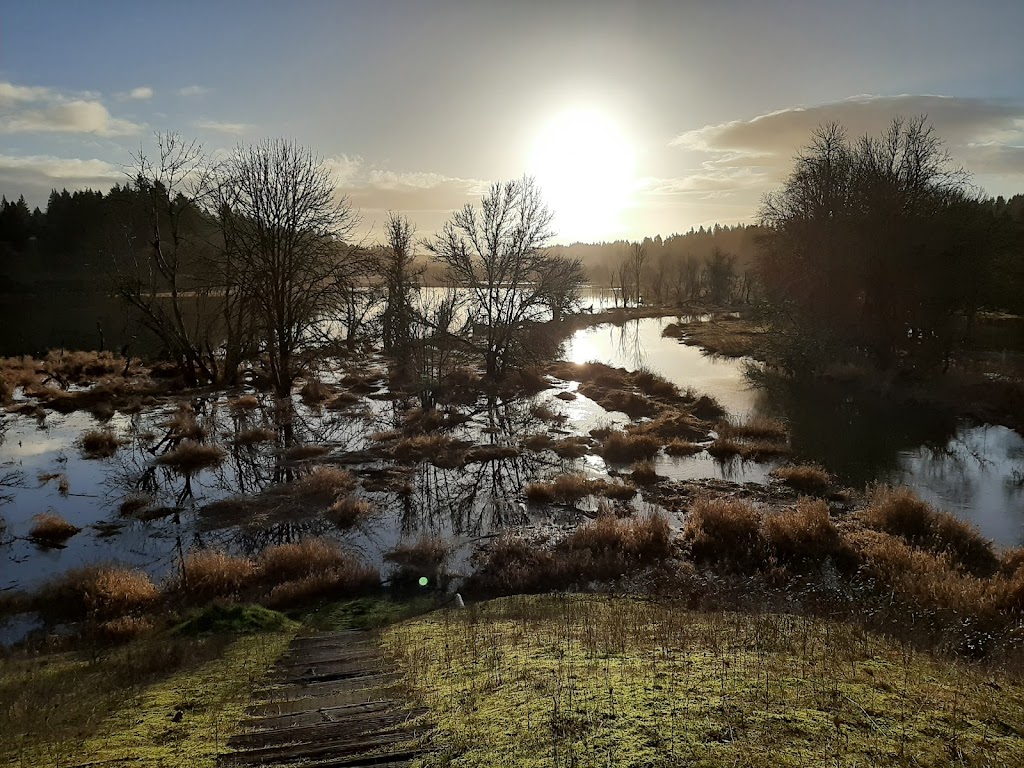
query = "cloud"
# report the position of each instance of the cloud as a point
(35, 175)
(142, 92)
(217, 126)
(32, 109)
(979, 133)
(193, 90)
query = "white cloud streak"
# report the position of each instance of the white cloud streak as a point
(34, 109)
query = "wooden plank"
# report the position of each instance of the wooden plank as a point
(336, 748)
(349, 726)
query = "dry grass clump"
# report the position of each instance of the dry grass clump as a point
(323, 483)
(437, 448)
(682, 448)
(492, 452)
(672, 424)
(99, 444)
(566, 396)
(803, 536)
(350, 511)
(189, 457)
(208, 573)
(255, 436)
(545, 412)
(50, 529)
(804, 477)
(306, 452)
(79, 365)
(898, 511)
(571, 447)
(568, 488)
(427, 420)
(123, 629)
(347, 578)
(425, 557)
(643, 473)
(655, 385)
(343, 400)
(619, 491)
(6, 390)
(622, 447)
(314, 392)
(243, 403)
(726, 532)
(538, 442)
(287, 562)
(133, 504)
(183, 424)
(605, 549)
(101, 590)
(630, 403)
(724, 448)
(755, 428)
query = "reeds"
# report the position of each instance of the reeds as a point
(99, 444)
(50, 529)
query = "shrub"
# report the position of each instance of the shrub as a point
(189, 457)
(99, 444)
(48, 528)
(124, 629)
(804, 477)
(208, 573)
(622, 447)
(725, 532)
(898, 511)
(425, 557)
(103, 590)
(350, 511)
(803, 535)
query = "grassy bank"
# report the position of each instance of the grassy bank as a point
(588, 680)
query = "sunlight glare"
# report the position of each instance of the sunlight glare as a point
(585, 165)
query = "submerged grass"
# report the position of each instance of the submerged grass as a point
(584, 680)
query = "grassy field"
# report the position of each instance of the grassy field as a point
(599, 681)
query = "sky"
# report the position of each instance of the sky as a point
(636, 118)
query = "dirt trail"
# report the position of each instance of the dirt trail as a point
(331, 701)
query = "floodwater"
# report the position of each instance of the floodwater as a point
(975, 472)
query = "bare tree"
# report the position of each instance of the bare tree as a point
(637, 260)
(160, 253)
(283, 216)
(497, 254)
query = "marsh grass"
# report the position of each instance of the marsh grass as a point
(807, 478)
(567, 488)
(189, 457)
(255, 436)
(626, 448)
(726, 532)
(682, 448)
(591, 680)
(210, 573)
(350, 511)
(314, 392)
(99, 443)
(643, 473)
(104, 591)
(898, 511)
(51, 529)
(306, 452)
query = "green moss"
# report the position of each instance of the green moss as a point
(569, 680)
(119, 705)
(231, 618)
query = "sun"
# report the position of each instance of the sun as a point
(585, 164)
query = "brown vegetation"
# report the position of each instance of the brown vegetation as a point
(255, 435)
(622, 447)
(50, 529)
(208, 573)
(189, 457)
(643, 473)
(605, 549)
(314, 392)
(133, 504)
(439, 449)
(101, 590)
(243, 403)
(100, 444)
(725, 336)
(803, 536)
(491, 452)
(306, 452)
(898, 511)
(755, 428)
(568, 488)
(682, 448)
(350, 511)
(804, 477)
(423, 558)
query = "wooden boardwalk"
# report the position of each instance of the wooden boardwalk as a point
(330, 702)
